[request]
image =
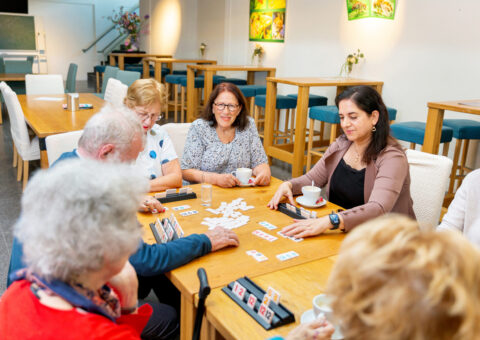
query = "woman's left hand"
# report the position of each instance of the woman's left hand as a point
(308, 227)
(150, 203)
(262, 174)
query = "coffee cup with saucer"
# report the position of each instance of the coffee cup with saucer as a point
(311, 197)
(321, 307)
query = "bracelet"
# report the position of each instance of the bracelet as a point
(129, 310)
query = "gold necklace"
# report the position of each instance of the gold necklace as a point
(357, 155)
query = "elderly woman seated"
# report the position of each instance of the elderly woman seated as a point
(76, 283)
(394, 281)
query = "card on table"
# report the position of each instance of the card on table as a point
(188, 213)
(287, 256)
(181, 207)
(267, 225)
(259, 257)
(264, 235)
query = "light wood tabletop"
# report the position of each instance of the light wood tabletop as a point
(46, 116)
(231, 263)
(10, 77)
(436, 111)
(297, 286)
(169, 63)
(209, 71)
(295, 153)
(121, 57)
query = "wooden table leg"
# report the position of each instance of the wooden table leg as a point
(1, 119)
(208, 85)
(112, 60)
(158, 71)
(209, 332)
(190, 94)
(250, 77)
(433, 131)
(187, 317)
(270, 108)
(43, 153)
(146, 69)
(300, 127)
(121, 62)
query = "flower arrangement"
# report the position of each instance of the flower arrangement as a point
(129, 23)
(203, 47)
(352, 59)
(258, 51)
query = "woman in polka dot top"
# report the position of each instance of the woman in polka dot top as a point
(158, 160)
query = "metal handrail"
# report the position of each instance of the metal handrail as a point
(111, 28)
(112, 43)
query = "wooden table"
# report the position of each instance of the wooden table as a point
(170, 61)
(229, 264)
(209, 71)
(436, 110)
(297, 286)
(48, 117)
(10, 77)
(295, 153)
(121, 57)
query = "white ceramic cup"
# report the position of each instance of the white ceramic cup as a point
(311, 194)
(321, 305)
(243, 175)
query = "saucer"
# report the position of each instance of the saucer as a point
(308, 316)
(301, 200)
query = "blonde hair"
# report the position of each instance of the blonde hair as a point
(145, 92)
(394, 281)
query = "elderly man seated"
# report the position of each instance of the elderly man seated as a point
(116, 135)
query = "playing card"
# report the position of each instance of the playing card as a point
(171, 191)
(272, 293)
(267, 225)
(282, 234)
(252, 300)
(188, 213)
(182, 190)
(295, 239)
(287, 256)
(181, 207)
(239, 290)
(251, 252)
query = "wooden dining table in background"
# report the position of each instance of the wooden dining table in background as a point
(294, 153)
(10, 77)
(209, 71)
(157, 62)
(436, 111)
(228, 264)
(121, 57)
(46, 116)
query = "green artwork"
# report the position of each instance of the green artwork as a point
(267, 20)
(358, 9)
(17, 33)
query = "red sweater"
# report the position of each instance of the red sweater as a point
(22, 316)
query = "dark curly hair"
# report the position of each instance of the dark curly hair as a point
(241, 122)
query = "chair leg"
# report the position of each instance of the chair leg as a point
(252, 105)
(466, 144)
(19, 168)
(292, 125)
(15, 156)
(97, 76)
(182, 102)
(175, 103)
(25, 174)
(412, 146)
(310, 144)
(453, 175)
(333, 132)
(446, 146)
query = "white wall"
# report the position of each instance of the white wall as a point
(429, 52)
(67, 26)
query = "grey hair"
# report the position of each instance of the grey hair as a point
(78, 215)
(117, 125)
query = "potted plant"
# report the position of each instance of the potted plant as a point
(352, 59)
(129, 23)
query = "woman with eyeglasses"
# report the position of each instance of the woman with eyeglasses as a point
(158, 159)
(223, 139)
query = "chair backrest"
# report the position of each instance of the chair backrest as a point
(115, 92)
(71, 78)
(19, 66)
(18, 126)
(63, 142)
(178, 134)
(128, 77)
(110, 72)
(44, 84)
(429, 180)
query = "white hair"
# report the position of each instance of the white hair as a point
(77, 215)
(117, 125)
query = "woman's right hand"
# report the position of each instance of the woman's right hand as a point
(319, 329)
(285, 189)
(125, 283)
(226, 180)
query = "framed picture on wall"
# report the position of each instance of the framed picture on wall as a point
(267, 20)
(358, 9)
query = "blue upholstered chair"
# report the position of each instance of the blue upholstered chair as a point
(236, 81)
(414, 133)
(128, 77)
(313, 99)
(282, 103)
(180, 72)
(172, 82)
(198, 85)
(108, 72)
(71, 84)
(463, 131)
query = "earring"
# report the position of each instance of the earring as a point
(374, 129)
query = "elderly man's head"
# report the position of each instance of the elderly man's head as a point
(73, 213)
(115, 134)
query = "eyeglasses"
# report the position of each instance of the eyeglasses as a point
(231, 107)
(153, 116)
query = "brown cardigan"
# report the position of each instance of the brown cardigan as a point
(386, 187)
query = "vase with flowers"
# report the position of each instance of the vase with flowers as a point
(129, 23)
(257, 55)
(352, 59)
(203, 48)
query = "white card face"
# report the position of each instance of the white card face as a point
(273, 294)
(282, 234)
(171, 191)
(265, 313)
(252, 300)
(181, 207)
(239, 290)
(267, 225)
(251, 252)
(188, 213)
(182, 190)
(287, 256)
(264, 235)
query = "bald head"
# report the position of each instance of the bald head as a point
(115, 134)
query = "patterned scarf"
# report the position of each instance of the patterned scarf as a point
(105, 302)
